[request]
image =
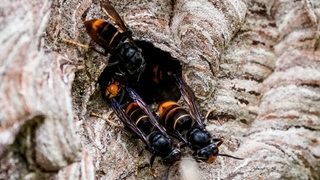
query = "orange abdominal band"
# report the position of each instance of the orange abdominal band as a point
(97, 23)
(163, 108)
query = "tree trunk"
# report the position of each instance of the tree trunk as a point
(254, 67)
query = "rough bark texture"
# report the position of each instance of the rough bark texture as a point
(256, 62)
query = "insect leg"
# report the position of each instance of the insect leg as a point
(105, 119)
(82, 45)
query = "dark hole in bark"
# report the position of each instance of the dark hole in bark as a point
(156, 83)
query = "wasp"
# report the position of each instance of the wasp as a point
(127, 63)
(140, 121)
(189, 127)
(122, 74)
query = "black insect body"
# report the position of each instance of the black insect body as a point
(139, 118)
(189, 127)
(127, 64)
(126, 69)
(138, 67)
(192, 133)
(142, 123)
(135, 64)
(161, 145)
(178, 120)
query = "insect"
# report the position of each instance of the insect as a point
(127, 63)
(189, 128)
(124, 72)
(136, 67)
(139, 119)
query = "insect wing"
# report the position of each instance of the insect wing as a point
(113, 15)
(177, 135)
(188, 96)
(127, 121)
(146, 109)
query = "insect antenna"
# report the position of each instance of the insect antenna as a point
(227, 155)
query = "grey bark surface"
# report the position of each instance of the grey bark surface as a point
(255, 63)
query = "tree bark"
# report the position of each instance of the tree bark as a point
(254, 67)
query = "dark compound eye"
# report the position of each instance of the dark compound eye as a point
(215, 150)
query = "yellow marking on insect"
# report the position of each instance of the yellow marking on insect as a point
(180, 117)
(172, 111)
(114, 36)
(141, 117)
